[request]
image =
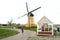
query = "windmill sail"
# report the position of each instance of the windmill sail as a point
(22, 15)
(27, 7)
(35, 9)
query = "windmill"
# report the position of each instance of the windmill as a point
(30, 17)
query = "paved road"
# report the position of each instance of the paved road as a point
(21, 36)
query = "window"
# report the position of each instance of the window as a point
(49, 28)
(46, 27)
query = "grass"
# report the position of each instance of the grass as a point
(32, 29)
(10, 27)
(6, 33)
(6, 26)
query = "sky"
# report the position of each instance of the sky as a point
(12, 9)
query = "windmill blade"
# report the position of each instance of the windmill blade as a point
(35, 9)
(27, 7)
(22, 15)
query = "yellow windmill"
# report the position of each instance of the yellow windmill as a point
(30, 22)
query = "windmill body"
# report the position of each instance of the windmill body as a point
(30, 22)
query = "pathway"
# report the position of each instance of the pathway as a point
(21, 36)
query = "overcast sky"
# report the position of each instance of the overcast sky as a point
(16, 8)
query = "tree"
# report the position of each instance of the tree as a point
(10, 22)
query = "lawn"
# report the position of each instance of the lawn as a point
(6, 33)
(6, 26)
(32, 29)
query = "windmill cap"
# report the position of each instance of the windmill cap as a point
(30, 14)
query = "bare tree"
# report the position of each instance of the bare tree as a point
(10, 22)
